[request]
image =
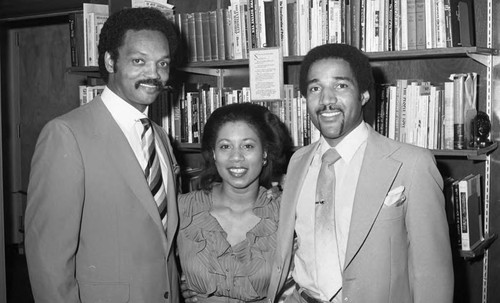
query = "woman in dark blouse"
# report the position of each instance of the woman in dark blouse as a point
(227, 233)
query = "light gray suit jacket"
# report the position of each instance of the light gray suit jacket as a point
(93, 231)
(394, 254)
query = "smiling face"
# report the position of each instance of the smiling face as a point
(334, 101)
(142, 68)
(238, 155)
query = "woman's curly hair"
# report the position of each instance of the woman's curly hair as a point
(273, 134)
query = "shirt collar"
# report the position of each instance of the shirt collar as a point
(349, 145)
(123, 112)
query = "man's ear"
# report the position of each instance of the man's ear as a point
(109, 63)
(365, 97)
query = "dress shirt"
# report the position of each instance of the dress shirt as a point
(128, 119)
(351, 150)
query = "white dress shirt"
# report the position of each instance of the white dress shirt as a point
(351, 150)
(128, 119)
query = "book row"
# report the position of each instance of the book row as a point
(299, 25)
(85, 27)
(184, 115)
(434, 116)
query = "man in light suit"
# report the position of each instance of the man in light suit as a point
(390, 230)
(93, 228)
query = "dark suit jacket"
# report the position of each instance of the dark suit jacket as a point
(399, 253)
(93, 232)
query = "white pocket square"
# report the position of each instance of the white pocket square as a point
(395, 197)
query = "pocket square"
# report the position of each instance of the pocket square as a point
(395, 197)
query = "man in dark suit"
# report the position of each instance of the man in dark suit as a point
(96, 228)
(388, 241)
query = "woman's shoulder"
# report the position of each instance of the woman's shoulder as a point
(194, 202)
(268, 204)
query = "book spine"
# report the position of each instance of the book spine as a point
(191, 37)
(198, 30)
(464, 214)
(214, 35)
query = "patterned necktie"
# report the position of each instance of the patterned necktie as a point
(153, 170)
(326, 243)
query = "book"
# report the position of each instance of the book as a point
(221, 16)
(214, 35)
(94, 16)
(76, 36)
(198, 34)
(430, 19)
(472, 232)
(293, 47)
(252, 28)
(420, 24)
(448, 115)
(467, 29)
(270, 24)
(282, 25)
(458, 214)
(412, 24)
(458, 110)
(355, 23)
(440, 27)
(463, 194)
(206, 35)
(447, 23)
(228, 31)
(191, 37)
(236, 29)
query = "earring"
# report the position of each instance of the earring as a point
(264, 162)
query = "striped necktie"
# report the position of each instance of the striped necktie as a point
(153, 170)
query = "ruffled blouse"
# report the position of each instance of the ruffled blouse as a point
(215, 269)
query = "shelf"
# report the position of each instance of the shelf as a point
(471, 154)
(479, 249)
(374, 56)
(188, 147)
(89, 71)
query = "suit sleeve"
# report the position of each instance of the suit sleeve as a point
(53, 214)
(430, 263)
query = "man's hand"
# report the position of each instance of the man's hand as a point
(188, 295)
(274, 191)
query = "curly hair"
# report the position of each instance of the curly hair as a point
(273, 134)
(357, 60)
(113, 32)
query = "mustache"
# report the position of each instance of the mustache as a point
(328, 107)
(159, 84)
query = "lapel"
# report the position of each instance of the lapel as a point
(119, 153)
(296, 173)
(377, 165)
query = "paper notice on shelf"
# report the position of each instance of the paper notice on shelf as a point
(266, 74)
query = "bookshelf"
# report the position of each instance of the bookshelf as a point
(473, 268)
(475, 276)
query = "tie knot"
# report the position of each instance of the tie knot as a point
(146, 124)
(330, 156)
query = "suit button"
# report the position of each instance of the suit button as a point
(165, 295)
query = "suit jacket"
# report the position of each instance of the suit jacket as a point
(399, 253)
(93, 231)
